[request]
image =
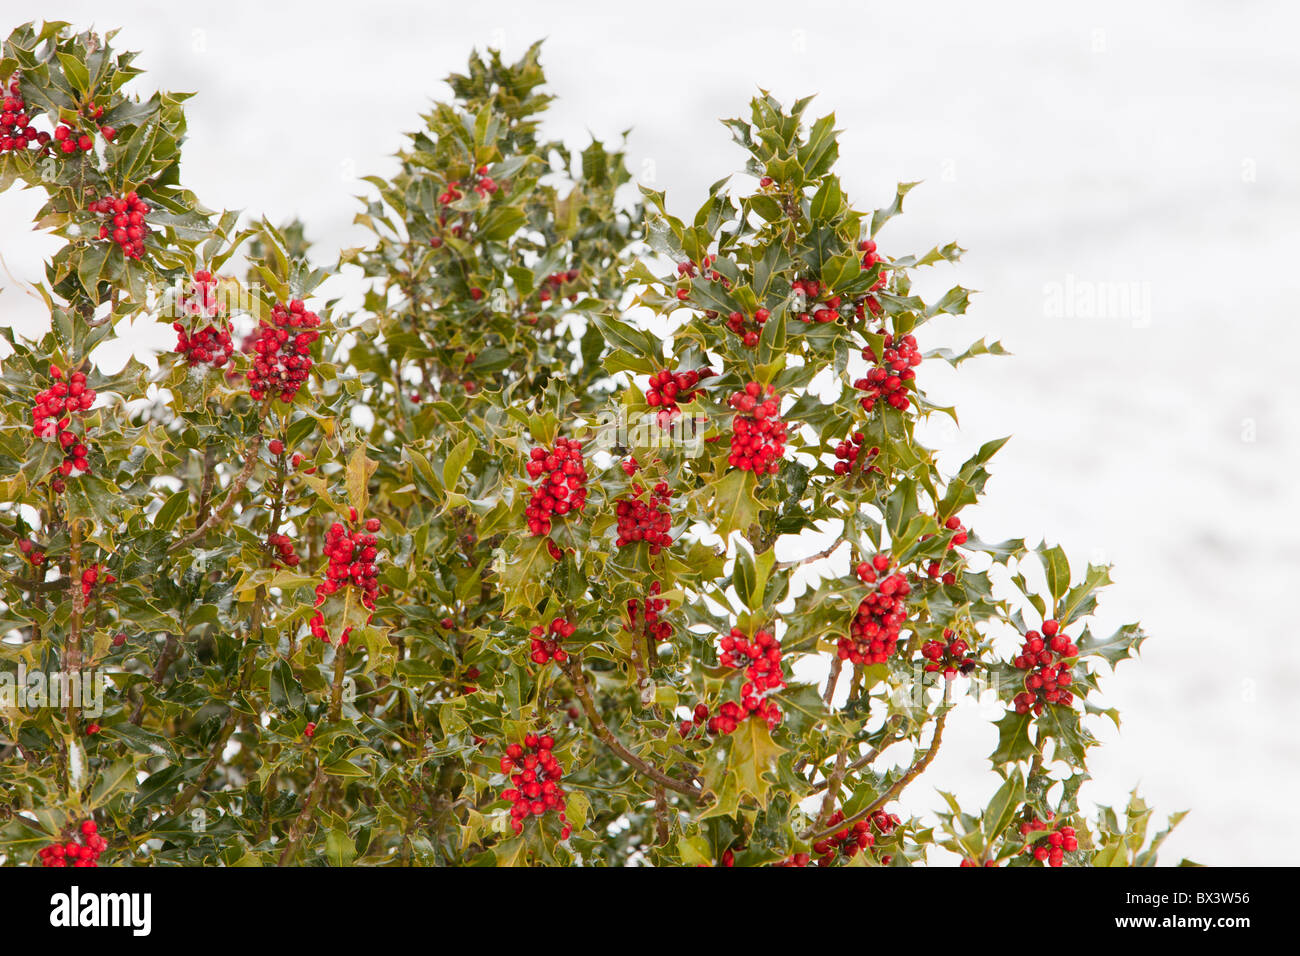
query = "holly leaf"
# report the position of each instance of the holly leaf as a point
(1122, 644)
(1013, 739)
(753, 755)
(1002, 808)
(1082, 598)
(1057, 569)
(360, 468)
(734, 502)
(520, 575)
(457, 459)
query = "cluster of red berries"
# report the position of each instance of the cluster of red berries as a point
(1051, 850)
(761, 660)
(874, 631)
(546, 641)
(480, 182)
(748, 332)
(645, 518)
(209, 344)
(553, 285)
(561, 477)
(126, 226)
(870, 257)
(969, 862)
(471, 675)
(850, 841)
(72, 853)
(757, 431)
(848, 451)
(351, 562)
(283, 352)
(535, 773)
(282, 545)
(823, 312)
(52, 414)
(831, 308)
(669, 389)
(725, 722)
(950, 655)
(891, 372)
(645, 616)
(72, 140)
(1049, 676)
(31, 552)
(93, 575)
(16, 131)
(705, 270)
(701, 714)
(961, 536)
(296, 461)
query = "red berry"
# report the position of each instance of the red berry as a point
(758, 433)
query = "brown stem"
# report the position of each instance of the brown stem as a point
(864, 761)
(661, 817)
(336, 692)
(38, 587)
(236, 487)
(268, 798)
(72, 659)
(832, 679)
(827, 696)
(824, 553)
(298, 829)
(833, 784)
(205, 483)
(159, 672)
(573, 668)
(813, 835)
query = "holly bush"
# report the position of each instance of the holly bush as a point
(483, 569)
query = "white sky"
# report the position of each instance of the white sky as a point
(1152, 145)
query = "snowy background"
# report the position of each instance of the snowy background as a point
(1126, 178)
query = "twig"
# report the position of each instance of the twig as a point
(813, 835)
(573, 668)
(39, 587)
(298, 829)
(236, 487)
(159, 672)
(72, 660)
(336, 692)
(824, 553)
(827, 696)
(661, 817)
(864, 761)
(205, 482)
